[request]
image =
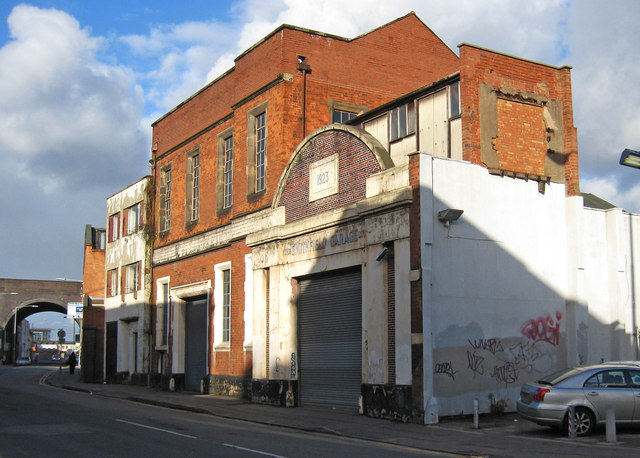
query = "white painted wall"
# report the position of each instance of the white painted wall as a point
(129, 310)
(611, 241)
(522, 284)
(502, 264)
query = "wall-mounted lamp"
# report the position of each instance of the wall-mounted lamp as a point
(154, 148)
(303, 65)
(449, 215)
(382, 254)
(630, 158)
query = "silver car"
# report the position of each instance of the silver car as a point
(590, 389)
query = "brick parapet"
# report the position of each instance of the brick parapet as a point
(524, 82)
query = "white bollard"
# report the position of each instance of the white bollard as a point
(475, 414)
(611, 424)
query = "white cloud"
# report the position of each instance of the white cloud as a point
(76, 110)
(609, 189)
(179, 58)
(61, 106)
(70, 137)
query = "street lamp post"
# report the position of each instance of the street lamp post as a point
(15, 327)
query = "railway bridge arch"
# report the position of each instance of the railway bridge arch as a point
(20, 299)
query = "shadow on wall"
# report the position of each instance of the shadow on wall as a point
(464, 311)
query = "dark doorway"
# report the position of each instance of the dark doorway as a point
(111, 351)
(195, 343)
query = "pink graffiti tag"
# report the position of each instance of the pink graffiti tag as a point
(543, 329)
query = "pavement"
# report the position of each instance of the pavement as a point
(497, 435)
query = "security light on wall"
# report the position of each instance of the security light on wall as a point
(449, 215)
(382, 254)
(630, 158)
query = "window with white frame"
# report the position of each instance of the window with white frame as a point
(163, 305)
(224, 183)
(114, 227)
(402, 121)
(132, 277)
(342, 111)
(112, 282)
(164, 213)
(257, 150)
(222, 300)
(226, 305)
(227, 181)
(341, 116)
(261, 151)
(133, 219)
(193, 186)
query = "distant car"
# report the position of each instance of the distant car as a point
(590, 390)
(23, 361)
(55, 358)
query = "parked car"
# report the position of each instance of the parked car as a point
(55, 358)
(23, 361)
(590, 390)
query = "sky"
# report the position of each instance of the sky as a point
(81, 82)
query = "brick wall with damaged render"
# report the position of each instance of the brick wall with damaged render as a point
(518, 117)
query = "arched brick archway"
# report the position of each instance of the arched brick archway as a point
(20, 299)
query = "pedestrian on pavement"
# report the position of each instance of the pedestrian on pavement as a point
(72, 362)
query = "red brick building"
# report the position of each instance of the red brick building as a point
(217, 158)
(93, 289)
(224, 167)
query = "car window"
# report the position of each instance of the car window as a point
(608, 379)
(635, 378)
(557, 377)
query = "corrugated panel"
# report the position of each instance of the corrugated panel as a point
(195, 344)
(330, 339)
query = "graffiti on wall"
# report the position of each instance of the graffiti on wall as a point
(445, 368)
(475, 363)
(502, 362)
(543, 329)
(491, 345)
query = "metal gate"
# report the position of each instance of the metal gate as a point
(195, 364)
(330, 339)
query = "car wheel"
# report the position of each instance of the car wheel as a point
(585, 421)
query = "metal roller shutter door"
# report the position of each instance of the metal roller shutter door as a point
(330, 339)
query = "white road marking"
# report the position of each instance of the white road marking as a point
(156, 429)
(254, 451)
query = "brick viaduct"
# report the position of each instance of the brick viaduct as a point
(45, 295)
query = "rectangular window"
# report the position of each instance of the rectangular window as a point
(341, 116)
(261, 150)
(165, 313)
(132, 218)
(454, 100)
(114, 227)
(132, 278)
(193, 192)
(99, 239)
(165, 200)
(226, 305)
(403, 121)
(228, 172)
(222, 307)
(112, 283)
